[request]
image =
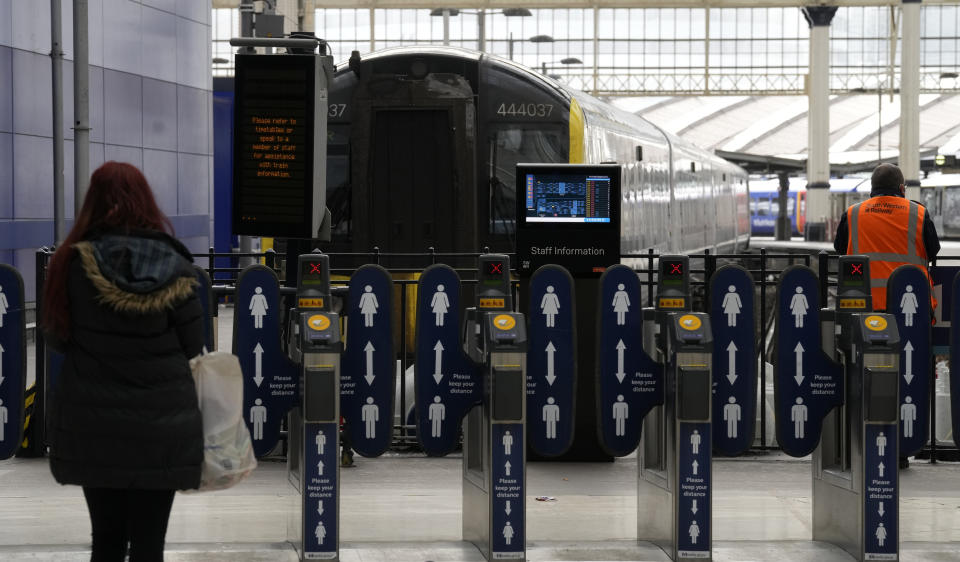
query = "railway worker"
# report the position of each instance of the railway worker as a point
(889, 229)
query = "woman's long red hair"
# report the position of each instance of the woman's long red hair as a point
(119, 200)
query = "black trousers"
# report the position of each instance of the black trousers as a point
(135, 517)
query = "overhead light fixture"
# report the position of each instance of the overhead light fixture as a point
(949, 75)
(517, 12)
(439, 11)
(571, 60)
(541, 39)
(220, 60)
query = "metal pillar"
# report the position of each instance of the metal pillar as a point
(446, 27)
(784, 229)
(818, 122)
(81, 104)
(56, 62)
(910, 98)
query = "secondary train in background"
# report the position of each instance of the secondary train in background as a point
(939, 193)
(423, 144)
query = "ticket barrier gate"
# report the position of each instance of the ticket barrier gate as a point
(494, 452)
(674, 486)
(312, 461)
(855, 480)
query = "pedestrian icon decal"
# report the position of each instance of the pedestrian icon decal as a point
(551, 415)
(507, 442)
(370, 415)
(908, 413)
(621, 304)
(321, 441)
(4, 418)
(621, 411)
(798, 415)
(732, 305)
(368, 306)
(909, 306)
(731, 414)
(799, 307)
(508, 532)
(694, 531)
(695, 440)
(440, 304)
(4, 305)
(881, 534)
(258, 417)
(550, 306)
(321, 532)
(436, 414)
(881, 443)
(258, 307)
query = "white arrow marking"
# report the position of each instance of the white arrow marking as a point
(507, 509)
(881, 509)
(438, 360)
(695, 465)
(550, 370)
(320, 507)
(732, 360)
(908, 374)
(694, 508)
(881, 467)
(258, 372)
(620, 373)
(799, 351)
(507, 467)
(369, 349)
(320, 467)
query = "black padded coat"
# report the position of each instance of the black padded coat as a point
(124, 410)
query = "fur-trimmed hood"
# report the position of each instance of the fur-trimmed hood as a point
(138, 274)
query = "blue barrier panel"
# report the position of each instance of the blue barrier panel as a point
(13, 361)
(367, 376)
(270, 379)
(955, 360)
(880, 507)
(551, 361)
(942, 279)
(507, 534)
(693, 509)
(207, 302)
(629, 382)
(446, 380)
(319, 489)
(908, 299)
(807, 383)
(734, 359)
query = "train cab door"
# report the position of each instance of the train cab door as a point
(414, 179)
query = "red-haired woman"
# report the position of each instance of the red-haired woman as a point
(120, 303)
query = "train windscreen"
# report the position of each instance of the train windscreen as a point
(572, 198)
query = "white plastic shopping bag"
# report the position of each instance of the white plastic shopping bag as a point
(227, 450)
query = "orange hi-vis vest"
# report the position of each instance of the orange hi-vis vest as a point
(888, 230)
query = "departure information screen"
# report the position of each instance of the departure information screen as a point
(273, 145)
(567, 198)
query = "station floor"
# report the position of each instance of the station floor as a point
(407, 508)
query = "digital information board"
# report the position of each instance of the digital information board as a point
(569, 215)
(273, 170)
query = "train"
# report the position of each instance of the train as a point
(939, 193)
(423, 143)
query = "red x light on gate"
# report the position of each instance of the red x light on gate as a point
(856, 269)
(315, 268)
(495, 268)
(675, 269)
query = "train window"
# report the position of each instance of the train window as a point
(509, 146)
(639, 154)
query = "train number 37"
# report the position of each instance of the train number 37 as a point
(526, 109)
